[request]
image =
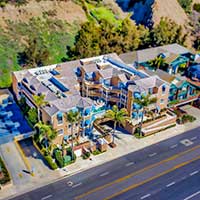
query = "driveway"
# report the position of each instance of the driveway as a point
(14, 163)
(192, 111)
(36, 160)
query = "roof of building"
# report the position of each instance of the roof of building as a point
(162, 74)
(123, 78)
(171, 58)
(129, 58)
(145, 55)
(150, 82)
(136, 88)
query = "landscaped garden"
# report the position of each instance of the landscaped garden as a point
(4, 175)
(183, 117)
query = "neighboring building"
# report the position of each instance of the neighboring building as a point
(180, 89)
(174, 55)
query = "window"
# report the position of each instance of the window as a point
(60, 131)
(60, 118)
(162, 101)
(163, 89)
(150, 90)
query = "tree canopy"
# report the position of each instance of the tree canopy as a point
(94, 39)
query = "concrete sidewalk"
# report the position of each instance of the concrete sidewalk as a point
(125, 144)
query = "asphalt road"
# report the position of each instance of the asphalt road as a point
(134, 175)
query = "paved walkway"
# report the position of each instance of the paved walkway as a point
(125, 144)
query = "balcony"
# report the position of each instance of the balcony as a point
(111, 88)
(94, 93)
(92, 83)
(113, 98)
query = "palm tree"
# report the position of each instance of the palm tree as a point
(39, 101)
(73, 117)
(117, 116)
(46, 132)
(157, 63)
(144, 102)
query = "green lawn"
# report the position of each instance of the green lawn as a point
(103, 13)
(56, 34)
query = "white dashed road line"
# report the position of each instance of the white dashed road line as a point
(129, 164)
(193, 138)
(192, 195)
(145, 196)
(46, 197)
(193, 173)
(170, 184)
(76, 185)
(104, 174)
(174, 146)
(153, 154)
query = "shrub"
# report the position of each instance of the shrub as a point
(186, 5)
(187, 118)
(96, 152)
(6, 176)
(196, 7)
(52, 164)
(32, 116)
(59, 158)
(86, 155)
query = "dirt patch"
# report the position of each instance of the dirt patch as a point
(170, 9)
(68, 11)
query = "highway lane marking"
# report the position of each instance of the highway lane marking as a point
(69, 183)
(186, 142)
(153, 154)
(193, 173)
(46, 197)
(193, 138)
(145, 196)
(170, 184)
(184, 178)
(104, 174)
(174, 146)
(152, 178)
(76, 185)
(137, 172)
(192, 195)
(129, 164)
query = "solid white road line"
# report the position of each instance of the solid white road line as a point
(192, 195)
(47, 197)
(104, 174)
(153, 154)
(193, 138)
(145, 196)
(193, 173)
(174, 146)
(76, 185)
(129, 164)
(170, 184)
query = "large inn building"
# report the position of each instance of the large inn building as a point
(91, 86)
